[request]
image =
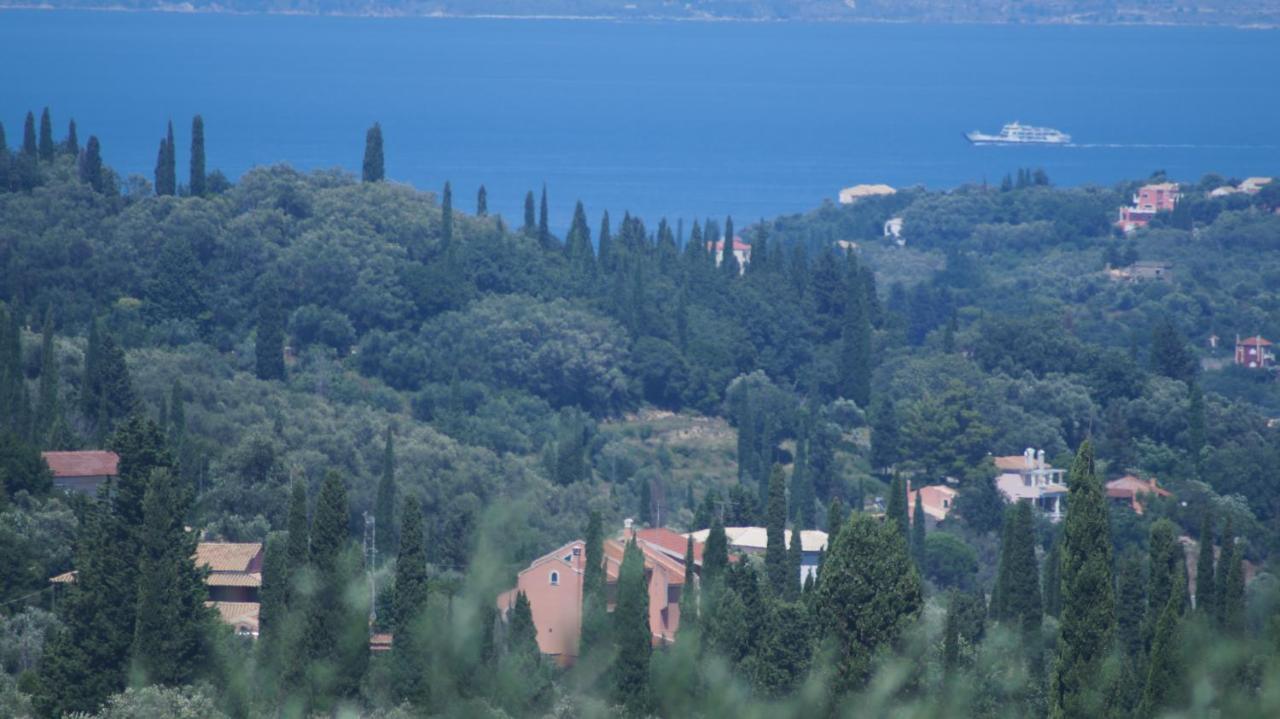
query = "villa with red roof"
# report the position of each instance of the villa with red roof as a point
(1129, 491)
(1027, 478)
(82, 471)
(741, 250)
(1254, 353)
(553, 583)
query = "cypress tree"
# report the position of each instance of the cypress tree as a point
(868, 594)
(795, 560)
(372, 168)
(544, 231)
(1230, 591)
(48, 408)
(5, 162)
(166, 165)
(1166, 684)
(836, 516)
(269, 344)
(482, 202)
(384, 511)
(177, 416)
(802, 493)
(632, 635)
(197, 184)
(896, 508)
(595, 617)
(522, 634)
(715, 555)
(582, 259)
(1088, 616)
(605, 251)
(775, 553)
(855, 340)
(1164, 556)
(161, 160)
(728, 260)
(169, 644)
(337, 649)
(409, 650)
(298, 541)
(29, 146)
(446, 218)
(273, 610)
(1017, 597)
(530, 219)
(72, 144)
(951, 638)
(47, 148)
(1205, 574)
(689, 593)
(646, 502)
(89, 389)
(1131, 603)
(781, 657)
(90, 170)
(884, 435)
(918, 532)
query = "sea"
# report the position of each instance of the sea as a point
(680, 120)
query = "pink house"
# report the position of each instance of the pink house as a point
(553, 585)
(1151, 199)
(741, 250)
(937, 501)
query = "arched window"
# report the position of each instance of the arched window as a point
(555, 579)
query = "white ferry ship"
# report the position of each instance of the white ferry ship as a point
(1018, 134)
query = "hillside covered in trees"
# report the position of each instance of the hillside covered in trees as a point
(282, 357)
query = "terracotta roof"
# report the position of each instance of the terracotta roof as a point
(1132, 488)
(654, 556)
(937, 500)
(227, 556)
(1013, 462)
(673, 542)
(89, 463)
(738, 245)
(238, 614)
(234, 579)
(1254, 342)
(64, 578)
(380, 642)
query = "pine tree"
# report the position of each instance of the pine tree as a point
(90, 169)
(169, 644)
(384, 507)
(446, 218)
(868, 594)
(632, 635)
(544, 231)
(29, 147)
(795, 560)
(47, 149)
(337, 651)
(918, 532)
(197, 184)
(1088, 616)
(482, 202)
(409, 649)
(775, 554)
(372, 169)
(530, 218)
(1205, 573)
(71, 146)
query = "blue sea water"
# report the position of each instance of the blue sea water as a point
(662, 119)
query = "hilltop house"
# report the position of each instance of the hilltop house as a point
(553, 584)
(850, 195)
(235, 576)
(1027, 478)
(81, 472)
(1254, 353)
(1150, 200)
(741, 251)
(754, 540)
(1129, 490)
(937, 501)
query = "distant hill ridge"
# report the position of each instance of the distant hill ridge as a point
(1262, 13)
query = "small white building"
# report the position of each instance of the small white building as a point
(850, 195)
(893, 228)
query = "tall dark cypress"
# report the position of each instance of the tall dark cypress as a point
(446, 218)
(775, 554)
(482, 202)
(1205, 574)
(795, 560)
(606, 254)
(1230, 591)
(169, 644)
(689, 592)
(48, 407)
(29, 145)
(918, 532)
(197, 184)
(633, 638)
(896, 506)
(72, 144)
(1088, 616)
(161, 162)
(1164, 558)
(297, 540)
(47, 149)
(273, 611)
(544, 230)
(384, 507)
(166, 165)
(269, 343)
(372, 169)
(410, 651)
(1166, 685)
(337, 634)
(715, 555)
(530, 214)
(855, 340)
(594, 640)
(90, 168)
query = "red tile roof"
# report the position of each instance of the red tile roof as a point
(89, 463)
(1253, 342)
(672, 541)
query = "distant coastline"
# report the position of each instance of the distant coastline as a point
(409, 13)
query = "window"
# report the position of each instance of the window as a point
(555, 579)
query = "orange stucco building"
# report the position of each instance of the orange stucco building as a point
(553, 585)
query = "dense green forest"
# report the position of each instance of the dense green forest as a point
(277, 357)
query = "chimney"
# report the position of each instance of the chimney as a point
(1040, 459)
(1028, 458)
